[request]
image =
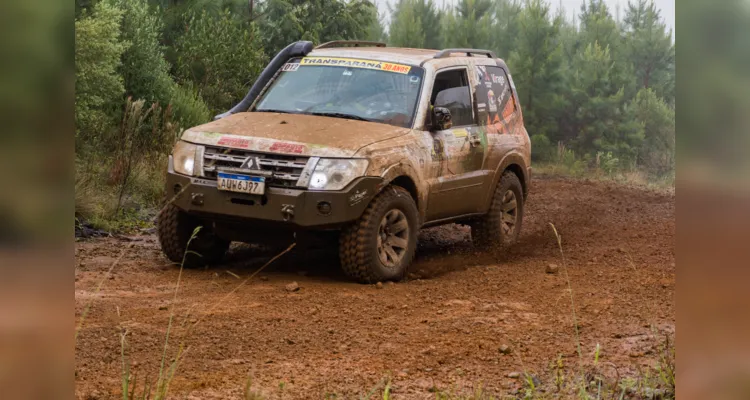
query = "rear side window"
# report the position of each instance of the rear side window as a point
(495, 100)
(451, 90)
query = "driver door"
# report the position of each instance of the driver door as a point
(458, 152)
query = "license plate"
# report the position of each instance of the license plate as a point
(241, 183)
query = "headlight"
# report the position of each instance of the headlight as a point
(335, 174)
(184, 156)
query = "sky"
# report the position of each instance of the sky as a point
(573, 7)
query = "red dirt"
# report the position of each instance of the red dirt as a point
(442, 328)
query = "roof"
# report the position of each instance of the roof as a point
(390, 54)
(402, 55)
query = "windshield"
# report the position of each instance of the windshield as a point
(346, 88)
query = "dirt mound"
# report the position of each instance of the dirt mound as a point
(442, 328)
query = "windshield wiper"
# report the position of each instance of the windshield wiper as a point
(276, 111)
(341, 115)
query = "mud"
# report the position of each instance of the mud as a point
(443, 328)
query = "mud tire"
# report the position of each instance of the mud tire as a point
(487, 231)
(175, 227)
(358, 243)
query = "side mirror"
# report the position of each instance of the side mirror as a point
(441, 119)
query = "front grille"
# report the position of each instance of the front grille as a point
(280, 170)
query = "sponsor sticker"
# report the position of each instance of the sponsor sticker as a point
(290, 67)
(282, 147)
(357, 197)
(233, 142)
(356, 63)
(459, 133)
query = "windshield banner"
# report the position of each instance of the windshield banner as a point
(355, 63)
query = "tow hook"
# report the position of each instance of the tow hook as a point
(287, 211)
(196, 199)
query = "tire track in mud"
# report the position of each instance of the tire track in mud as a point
(443, 327)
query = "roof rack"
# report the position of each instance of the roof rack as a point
(469, 53)
(350, 43)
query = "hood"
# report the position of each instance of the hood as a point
(293, 134)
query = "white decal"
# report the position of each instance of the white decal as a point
(290, 67)
(357, 197)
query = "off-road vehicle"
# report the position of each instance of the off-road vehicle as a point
(357, 139)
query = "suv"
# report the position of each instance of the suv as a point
(357, 140)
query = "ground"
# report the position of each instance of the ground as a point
(440, 330)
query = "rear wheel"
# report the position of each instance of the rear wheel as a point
(175, 228)
(381, 244)
(500, 227)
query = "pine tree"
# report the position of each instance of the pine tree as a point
(596, 118)
(597, 25)
(286, 21)
(650, 49)
(416, 23)
(535, 63)
(469, 24)
(505, 29)
(98, 52)
(406, 26)
(144, 69)
(658, 119)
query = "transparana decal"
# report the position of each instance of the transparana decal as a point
(356, 63)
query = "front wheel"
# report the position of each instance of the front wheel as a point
(501, 226)
(175, 229)
(381, 244)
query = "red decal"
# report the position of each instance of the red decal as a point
(233, 142)
(287, 147)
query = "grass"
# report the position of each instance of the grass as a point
(97, 199)
(636, 178)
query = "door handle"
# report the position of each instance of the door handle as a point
(475, 140)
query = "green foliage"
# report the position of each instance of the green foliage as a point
(595, 117)
(416, 24)
(650, 49)
(188, 107)
(598, 26)
(377, 32)
(506, 26)
(221, 55)
(658, 119)
(286, 21)
(469, 24)
(536, 64)
(99, 88)
(144, 68)
(542, 148)
(406, 29)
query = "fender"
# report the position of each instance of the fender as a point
(403, 168)
(513, 157)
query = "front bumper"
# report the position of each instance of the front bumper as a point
(289, 207)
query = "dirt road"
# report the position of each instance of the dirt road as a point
(440, 330)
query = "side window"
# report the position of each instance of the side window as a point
(495, 100)
(451, 90)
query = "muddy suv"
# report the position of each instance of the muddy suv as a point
(357, 140)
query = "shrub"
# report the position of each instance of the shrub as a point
(188, 108)
(541, 148)
(99, 89)
(658, 119)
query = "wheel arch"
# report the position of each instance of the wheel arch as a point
(515, 163)
(402, 174)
